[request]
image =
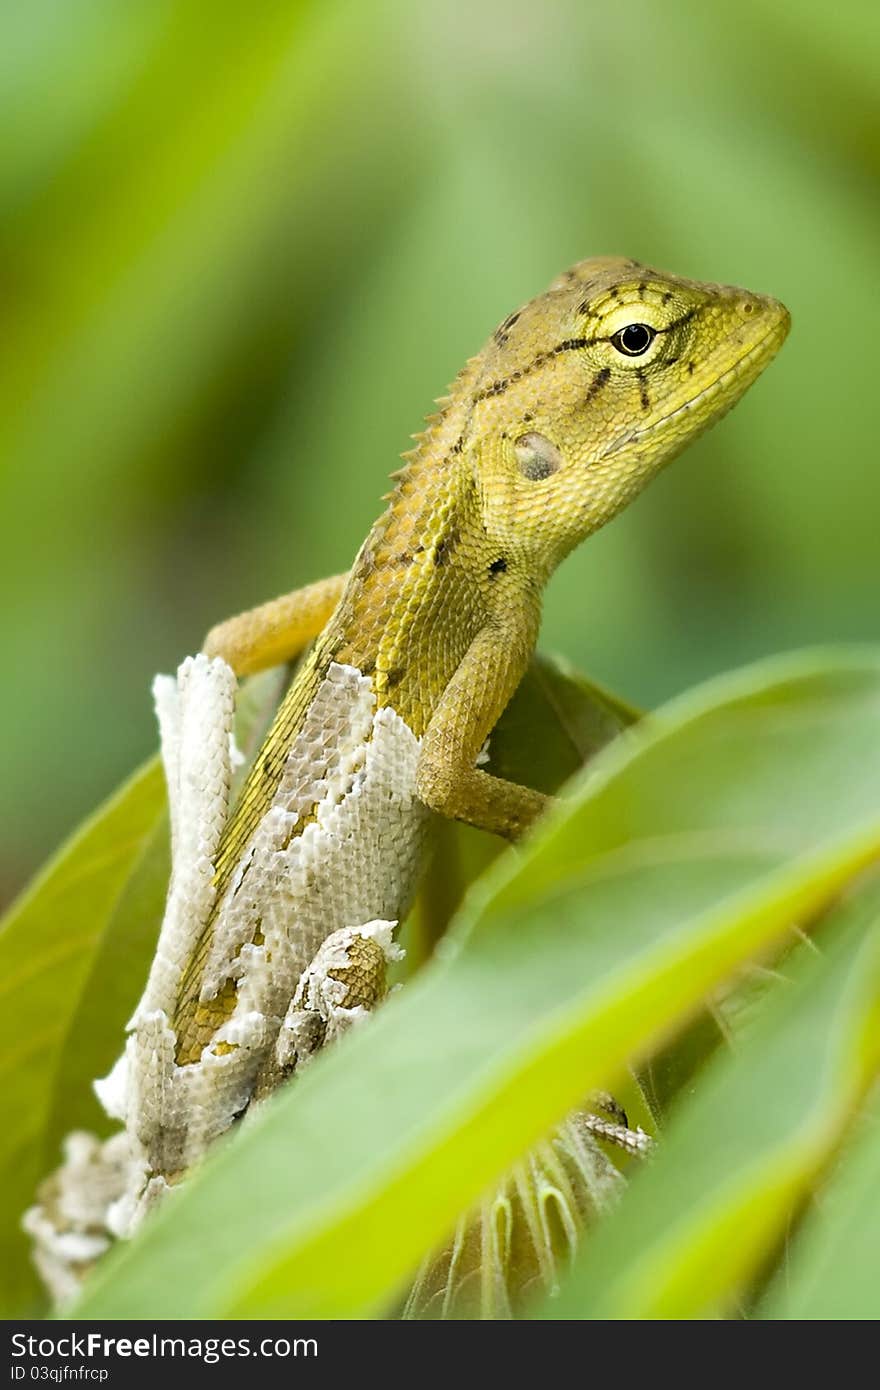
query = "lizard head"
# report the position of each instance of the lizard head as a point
(589, 390)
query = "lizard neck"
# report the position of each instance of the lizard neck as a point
(406, 616)
(412, 606)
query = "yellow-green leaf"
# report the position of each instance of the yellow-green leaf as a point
(744, 1152)
(53, 942)
(685, 848)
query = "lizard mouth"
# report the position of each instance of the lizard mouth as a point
(766, 346)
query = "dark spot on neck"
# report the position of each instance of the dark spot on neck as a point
(445, 545)
(498, 566)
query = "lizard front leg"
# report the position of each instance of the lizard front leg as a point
(447, 778)
(276, 631)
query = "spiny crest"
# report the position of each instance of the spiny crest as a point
(433, 422)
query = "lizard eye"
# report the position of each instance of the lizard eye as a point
(634, 339)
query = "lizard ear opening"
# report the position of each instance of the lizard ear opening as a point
(536, 456)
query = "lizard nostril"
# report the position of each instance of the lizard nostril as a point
(747, 307)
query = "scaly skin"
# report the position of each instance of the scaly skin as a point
(546, 435)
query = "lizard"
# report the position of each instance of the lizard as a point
(579, 398)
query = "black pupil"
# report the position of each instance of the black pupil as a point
(636, 338)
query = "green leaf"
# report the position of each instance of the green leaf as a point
(686, 848)
(56, 943)
(741, 1155)
(673, 1068)
(74, 954)
(555, 723)
(833, 1265)
(94, 914)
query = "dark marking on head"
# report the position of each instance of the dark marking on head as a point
(679, 322)
(497, 388)
(597, 383)
(589, 292)
(614, 292)
(458, 445)
(497, 567)
(692, 367)
(667, 296)
(643, 390)
(368, 667)
(502, 332)
(528, 417)
(393, 676)
(643, 289)
(403, 558)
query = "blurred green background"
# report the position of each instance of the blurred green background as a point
(242, 247)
